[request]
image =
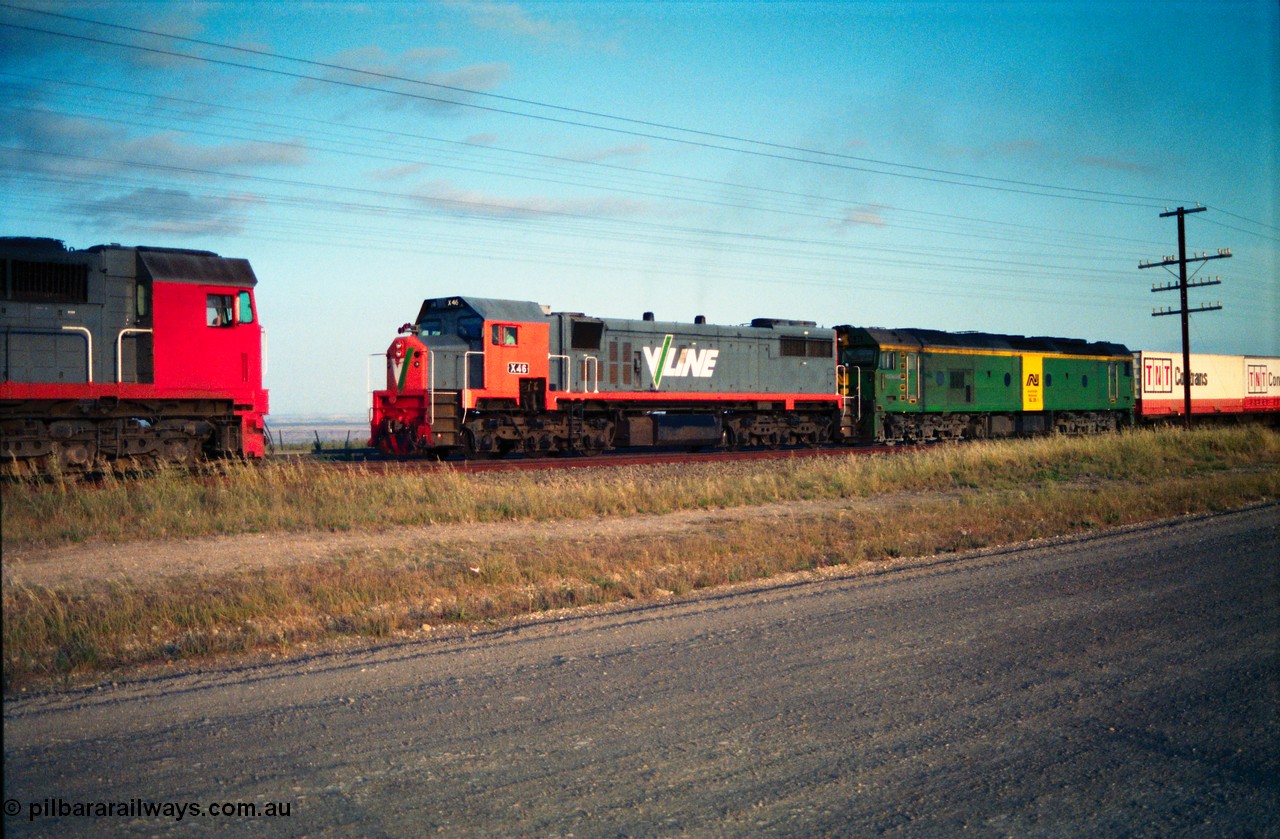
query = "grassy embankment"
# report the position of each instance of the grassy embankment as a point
(939, 500)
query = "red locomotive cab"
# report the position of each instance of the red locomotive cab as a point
(219, 352)
(456, 372)
(515, 355)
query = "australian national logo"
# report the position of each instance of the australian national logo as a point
(663, 362)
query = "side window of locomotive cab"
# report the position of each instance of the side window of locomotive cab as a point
(504, 336)
(218, 310)
(246, 307)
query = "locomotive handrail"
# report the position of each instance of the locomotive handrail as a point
(466, 380)
(120, 349)
(595, 367)
(368, 379)
(88, 342)
(567, 369)
(858, 377)
(88, 337)
(431, 383)
(842, 377)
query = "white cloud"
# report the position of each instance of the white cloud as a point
(412, 78)
(513, 20)
(862, 217)
(612, 153)
(1115, 164)
(445, 196)
(169, 211)
(166, 149)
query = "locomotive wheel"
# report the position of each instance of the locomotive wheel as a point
(590, 445)
(74, 455)
(476, 448)
(179, 450)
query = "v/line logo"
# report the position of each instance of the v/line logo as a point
(688, 362)
(400, 368)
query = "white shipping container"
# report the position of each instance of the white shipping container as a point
(1262, 383)
(1217, 383)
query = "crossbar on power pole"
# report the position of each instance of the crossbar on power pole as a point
(1182, 287)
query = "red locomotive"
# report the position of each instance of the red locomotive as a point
(126, 354)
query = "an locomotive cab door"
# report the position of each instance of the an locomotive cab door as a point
(909, 364)
(470, 329)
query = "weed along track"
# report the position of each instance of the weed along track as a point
(129, 573)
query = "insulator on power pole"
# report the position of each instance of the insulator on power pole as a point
(1182, 285)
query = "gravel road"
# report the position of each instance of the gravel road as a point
(1124, 684)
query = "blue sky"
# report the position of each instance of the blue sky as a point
(966, 166)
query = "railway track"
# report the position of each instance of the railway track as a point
(371, 460)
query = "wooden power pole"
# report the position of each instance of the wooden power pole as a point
(1182, 285)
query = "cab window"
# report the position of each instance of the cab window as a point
(218, 310)
(431, 327)
(246, 307)
(504, 336)
(860, 356)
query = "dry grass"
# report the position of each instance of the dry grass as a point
(939, 500)
(249, 499)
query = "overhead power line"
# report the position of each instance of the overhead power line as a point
(829, 159)
(382, 133)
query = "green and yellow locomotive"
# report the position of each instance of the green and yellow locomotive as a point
(915, 385)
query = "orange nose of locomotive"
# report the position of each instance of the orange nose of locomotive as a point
(406, 365)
